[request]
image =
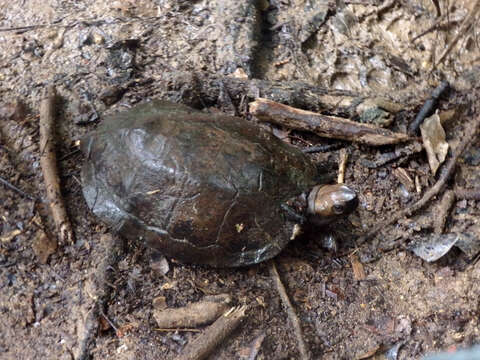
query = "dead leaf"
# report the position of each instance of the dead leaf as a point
(357, 267)
(433, 137)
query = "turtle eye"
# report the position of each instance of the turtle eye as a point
(338, 209)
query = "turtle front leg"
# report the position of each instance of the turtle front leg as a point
(293, 215)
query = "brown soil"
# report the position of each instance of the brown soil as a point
(94, 298)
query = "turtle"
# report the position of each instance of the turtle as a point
(203, 188)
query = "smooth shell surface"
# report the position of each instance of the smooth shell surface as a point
(201, 188)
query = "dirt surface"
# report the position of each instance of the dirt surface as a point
(95, 298)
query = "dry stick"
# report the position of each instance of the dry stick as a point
(322, 148)
(326, 126)
(469, 135)
(48, 163)
(199, 313)
(467, 23)
(304, 354)
(440, 22)
(443, 210)
(204, 344)
(342, 165)
(428, 107)
(13, 187)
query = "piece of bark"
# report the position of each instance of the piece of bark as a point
(48, 163)
(204, 344)
(325, 126)
(402, 175)
(192, 315)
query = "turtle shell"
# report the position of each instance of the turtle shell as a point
(202, 188)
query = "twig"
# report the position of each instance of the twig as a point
(467, 23)
(442, 213)
(205, 343)
(13, 187)
(48, 163)
(342, 164)
(71, 153)
(429, 106)
(304, 354)
(109, 321)
(437, 7)
(176, 329)
(403, 152)
(469, 135)
(323, 125)
(96, 292)
(199, 313)
(323, 148)
(439, 23)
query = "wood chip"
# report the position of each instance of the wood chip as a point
(195, 314)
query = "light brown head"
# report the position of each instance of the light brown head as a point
(329, 202)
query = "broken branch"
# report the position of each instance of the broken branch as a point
(199, 313)
(14, 188)
(325, 126)
(48, 163)
(442, 212)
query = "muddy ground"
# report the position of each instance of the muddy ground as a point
(95, 298)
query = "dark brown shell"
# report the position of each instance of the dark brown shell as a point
(202, 188)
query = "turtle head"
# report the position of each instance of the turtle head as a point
(329, 202)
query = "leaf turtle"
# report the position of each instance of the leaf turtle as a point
(203, 188)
